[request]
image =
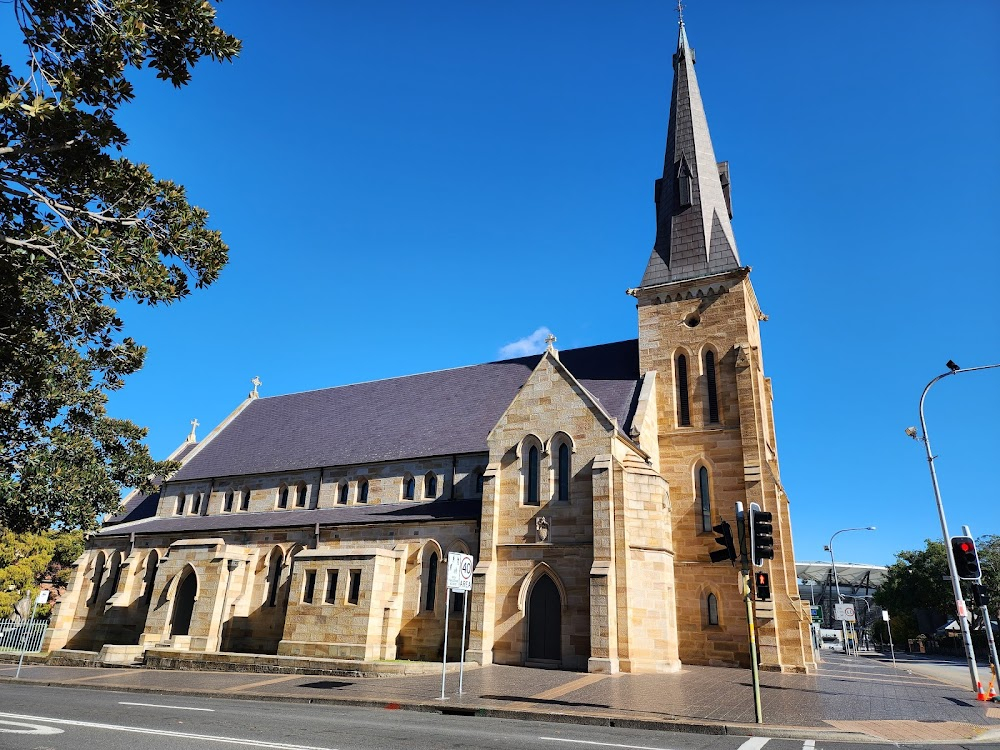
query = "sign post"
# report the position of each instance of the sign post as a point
(742, 531)
(42, 598)
(459, 579)
(892, 650)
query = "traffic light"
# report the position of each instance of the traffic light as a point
(761, 537)
(966, 558)
(725, 538)
(762, 583)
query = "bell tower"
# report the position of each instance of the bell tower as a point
(699, 330)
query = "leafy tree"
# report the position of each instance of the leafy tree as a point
(83, 228)
(919, 580)
(28, 559)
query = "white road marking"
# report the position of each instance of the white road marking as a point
(25, 728)
(754, 743)
(167, 733)
(157, 705)
(602, 744)
(808, 745)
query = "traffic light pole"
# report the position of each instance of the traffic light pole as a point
(956, 587)
(984, 610)
(741, 531)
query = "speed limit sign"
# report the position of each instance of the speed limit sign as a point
(459, 571)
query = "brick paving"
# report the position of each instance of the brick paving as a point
(865, 695)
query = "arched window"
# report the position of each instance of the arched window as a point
(430, 485)
(152, 562)
(705, 496)
(563, 475)
(713, 391)
(227, 505)
(196, 503)
(273, 578)
(683, 407)
(480, 479)
(712, 605)
(345, 490)
(408, 488)
(245, 500)
(431, 578)
(283, 497)
(96, 580)
(363, 491)
(116, 572)
(300, 495)
(531, 486)
(180, 504)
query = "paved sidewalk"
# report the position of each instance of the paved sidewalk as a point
(851, 698)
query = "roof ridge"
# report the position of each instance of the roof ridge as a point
(435, 372)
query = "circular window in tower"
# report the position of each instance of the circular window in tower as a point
(692, 320)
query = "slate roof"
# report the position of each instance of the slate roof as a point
(430, 414)
(697, 240)
(352, 515)
(144, 506)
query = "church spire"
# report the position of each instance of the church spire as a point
(694, 237)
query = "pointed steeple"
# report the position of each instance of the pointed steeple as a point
(694, 237)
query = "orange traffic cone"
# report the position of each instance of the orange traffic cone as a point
(992, 696)
(980, 695)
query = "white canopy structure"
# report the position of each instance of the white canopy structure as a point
(853, 575)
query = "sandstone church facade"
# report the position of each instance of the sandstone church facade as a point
(584, 482)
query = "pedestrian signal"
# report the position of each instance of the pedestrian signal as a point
(762, 584)
(966, 557)
(725, 538)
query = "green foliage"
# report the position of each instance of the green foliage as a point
(82, 227)
(28, 559)
(919, 579)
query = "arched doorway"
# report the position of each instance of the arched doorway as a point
(544, 621)
(184, 605)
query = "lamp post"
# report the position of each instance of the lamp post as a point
(836, 579)
(963, 617)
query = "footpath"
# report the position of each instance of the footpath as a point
(859, 699)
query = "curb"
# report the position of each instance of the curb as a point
(692, 726)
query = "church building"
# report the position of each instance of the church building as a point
(585, 484)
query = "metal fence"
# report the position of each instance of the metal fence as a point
(18, 634)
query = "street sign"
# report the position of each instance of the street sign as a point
(459, 571)
(817, 613)
(43, 596)
(885, 615)
(844, 612)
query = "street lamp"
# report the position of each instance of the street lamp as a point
(963, 618)
(836, 578)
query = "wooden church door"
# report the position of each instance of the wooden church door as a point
(544, 621)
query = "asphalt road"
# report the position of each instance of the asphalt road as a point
(45, 718)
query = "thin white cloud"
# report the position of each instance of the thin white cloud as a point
(533, 344)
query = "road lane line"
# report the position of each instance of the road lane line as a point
(166, 733)
(158, 705)
(602, 744)
(809, 745)
(754, 743)
(26, 728)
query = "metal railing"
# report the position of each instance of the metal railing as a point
(18, 634)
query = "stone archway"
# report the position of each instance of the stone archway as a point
(184, 599)
(545, 621)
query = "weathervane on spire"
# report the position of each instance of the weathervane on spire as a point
(256, 384)
(680, 13)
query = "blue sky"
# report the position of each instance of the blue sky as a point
(414, 186)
